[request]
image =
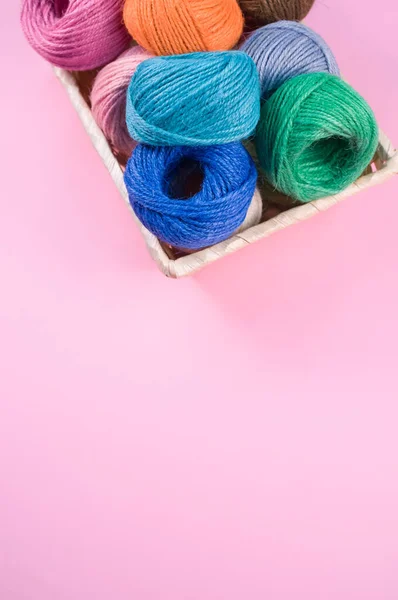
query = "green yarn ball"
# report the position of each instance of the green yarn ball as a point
(315, 137)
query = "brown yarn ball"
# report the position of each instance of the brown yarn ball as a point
(261, 12)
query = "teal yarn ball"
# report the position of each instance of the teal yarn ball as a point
(316, 136)
(199, 99)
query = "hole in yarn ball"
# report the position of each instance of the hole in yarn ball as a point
(60, 7)
(286, 49)
(77, 35)
(338, 153)
(194, 99)
(316, 136)
(261, 12)
(167, 27)
(108, 99)
(185, 179)
(213, 214)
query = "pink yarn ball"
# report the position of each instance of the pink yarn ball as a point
(77, 35)
(108, 98)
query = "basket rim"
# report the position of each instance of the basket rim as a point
(386, 161)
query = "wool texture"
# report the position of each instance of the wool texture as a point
(286, 49)
(253, 217)
(194, 99)
(182, 26)
(75, 34)
(316, 136)
(108, 98)
(191, 197)
(261, 12)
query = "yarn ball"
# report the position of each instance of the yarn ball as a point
(108, 98)
(194, 99)
(182, 26)
(75, 34)
(316, 136)
(191, 197)
(261, 12)
(286, 49)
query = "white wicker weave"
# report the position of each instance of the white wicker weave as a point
(386, 165)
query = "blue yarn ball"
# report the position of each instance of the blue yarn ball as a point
(195, 99)
(285, 49)
(191, 197)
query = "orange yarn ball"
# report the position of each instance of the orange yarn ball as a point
(182, 26)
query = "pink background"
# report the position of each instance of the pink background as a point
(229, 436)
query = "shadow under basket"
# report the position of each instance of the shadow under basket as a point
(175, 264)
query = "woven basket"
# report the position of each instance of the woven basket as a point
(385, 165)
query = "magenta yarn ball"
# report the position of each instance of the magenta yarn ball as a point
(108, 98)
(77, 35)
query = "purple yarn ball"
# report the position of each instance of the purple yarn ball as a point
(285, 49)
(77, 35)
